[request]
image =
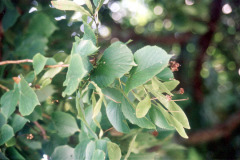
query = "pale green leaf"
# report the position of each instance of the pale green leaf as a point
(150, 61)
(173, 122)
(171, 85)
(98, 4)
(6, 133)
(69, 6)
(143, 107)
(90, 150)
(178, 113)
(172, 107)
(39, 62)
(131, 145)
(80, 149)
(84, 47)
(98, 155)
(89, 5)
(18, 122)
(116, 118)
(63, 153)
(114, 152)
(65, 123)
(117, 60)
(129, 113)
(75, 74)
(27, 98)
(160, 87)
(158, 119)
(89, 33)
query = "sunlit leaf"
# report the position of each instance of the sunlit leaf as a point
(39, 62)
(117, 60)
(114, 152)
(150, 61)
(69, 6)
(143, 107)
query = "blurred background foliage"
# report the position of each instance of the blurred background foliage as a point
(203, 36)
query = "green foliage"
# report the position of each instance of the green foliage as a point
(116, 89)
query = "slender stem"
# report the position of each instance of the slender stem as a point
(31, 61)
(16, 61)
(41, 129)
(4, 88)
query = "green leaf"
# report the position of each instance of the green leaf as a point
(160, 87)
(75, 74)
(14, 154)
(89, 5)
(173, 122)
(69, 6)
(114, 152)
(129, 113)
(89, 33)
(31, 45)
(143, 107)
(38, 21)
(84, 47)
(98, 155)
(158, 119)
(98, 105)
(63, 153)
(150, 61)
(39, 62)
(9, 102)
(171, 85)
(65, 123)
(98, 4)
(81, 114)
(18, 122)
(172, 107)
(178, 113)
(27, 98)
(90, 130)
(166, 74)
(117, 60)
(131, 145)
(116, 118)
(90, 150)
(80, 149)
(9, 18)
(3, 120)
(49, 74)
(6, 133)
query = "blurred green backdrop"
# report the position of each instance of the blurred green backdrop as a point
(203, 36)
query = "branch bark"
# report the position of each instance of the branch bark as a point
(219, 131)
(204, 42)
(31, 61)
(41, 129)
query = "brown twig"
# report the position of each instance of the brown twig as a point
(46, 116)
(4, 88)
(31, 61)
(41, 129)
(221, 130)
